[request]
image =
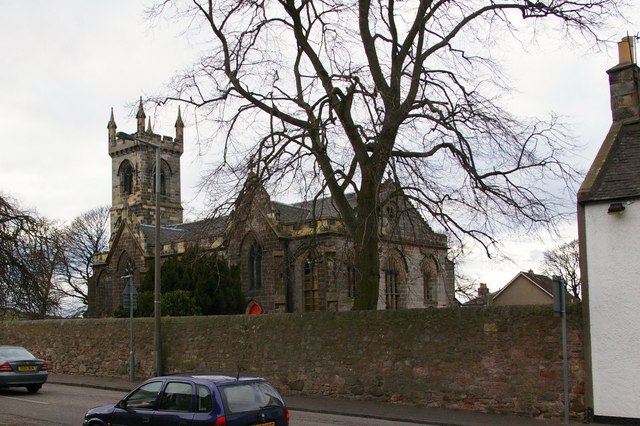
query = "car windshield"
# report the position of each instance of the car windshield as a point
(243, 397)
(15, 354)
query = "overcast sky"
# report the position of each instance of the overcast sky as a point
(65, 63)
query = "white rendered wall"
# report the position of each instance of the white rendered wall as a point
(613, 265)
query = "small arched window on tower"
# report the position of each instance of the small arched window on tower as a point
(165, 171)
(126, 173)
(255, 266)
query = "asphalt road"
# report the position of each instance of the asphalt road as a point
(65, 406)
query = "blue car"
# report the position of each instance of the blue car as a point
(196, 399)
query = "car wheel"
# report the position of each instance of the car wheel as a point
(33, 388)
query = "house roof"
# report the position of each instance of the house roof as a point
(541, 281)
(615, 173)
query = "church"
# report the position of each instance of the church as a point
(292, 257)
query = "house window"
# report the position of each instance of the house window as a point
(311, 299)
(255, 266)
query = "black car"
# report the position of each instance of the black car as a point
(196, 399)
(20, 368)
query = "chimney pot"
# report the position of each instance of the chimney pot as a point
(626, 50)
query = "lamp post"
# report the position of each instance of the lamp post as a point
(157, 353)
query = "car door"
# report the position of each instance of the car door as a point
(137, 408)
(176, 405)
(253, 404)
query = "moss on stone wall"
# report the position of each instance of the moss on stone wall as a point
(502, 360)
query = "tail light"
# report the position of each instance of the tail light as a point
(5, 368)
(221, 421)
(287, 415)
(44, 367)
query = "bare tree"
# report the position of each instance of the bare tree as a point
(342, 95)
(85, 236)
(34, 289)
(564, 261)
(14, 225)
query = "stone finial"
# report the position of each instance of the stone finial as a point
(140, 116)
(179, 126)
(149, 128)
(112, 127)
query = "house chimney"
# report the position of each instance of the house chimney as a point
(626, 50)
(623, 83)
(483, 290)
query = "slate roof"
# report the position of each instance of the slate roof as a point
(620, 178)
(303, 211)
(191, 231)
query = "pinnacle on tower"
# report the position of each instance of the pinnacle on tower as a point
(112, 127)
(140, 116)
(179, 126)
(149, 129)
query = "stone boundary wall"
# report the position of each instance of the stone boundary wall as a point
(499, 360)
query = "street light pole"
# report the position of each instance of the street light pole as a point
(157, 305)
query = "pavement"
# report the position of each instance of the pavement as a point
(357, 408)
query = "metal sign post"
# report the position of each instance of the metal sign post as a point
(560, 309)
(130, 301)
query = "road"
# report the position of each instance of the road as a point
(65, 406)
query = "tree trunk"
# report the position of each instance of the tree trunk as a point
(367, 258)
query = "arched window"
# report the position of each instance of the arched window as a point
(165, 174)
(255, 266)
(311, 287)
(126, 173)
(429, 280)
(392, 284)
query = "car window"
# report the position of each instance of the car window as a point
(250, 397)
(176, 397)
(205, 401)
(145, 396)
(15, 354)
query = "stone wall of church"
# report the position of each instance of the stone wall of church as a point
(502, 360)
(107, 284)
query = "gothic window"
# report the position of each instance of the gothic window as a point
(392, 284)
(311, 294)
(255, 266)
(164, 174)
(429, 278)
(125, 264)
(126, 173)
(351, 280)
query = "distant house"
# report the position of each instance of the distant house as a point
(609, 236)
(291, 257)
(526, 288)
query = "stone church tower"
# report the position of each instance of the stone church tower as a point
(133, 173)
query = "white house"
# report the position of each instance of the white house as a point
(609, 233)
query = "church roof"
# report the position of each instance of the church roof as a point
(190, 231)
(322, 208)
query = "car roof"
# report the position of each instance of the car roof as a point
(215, 378)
